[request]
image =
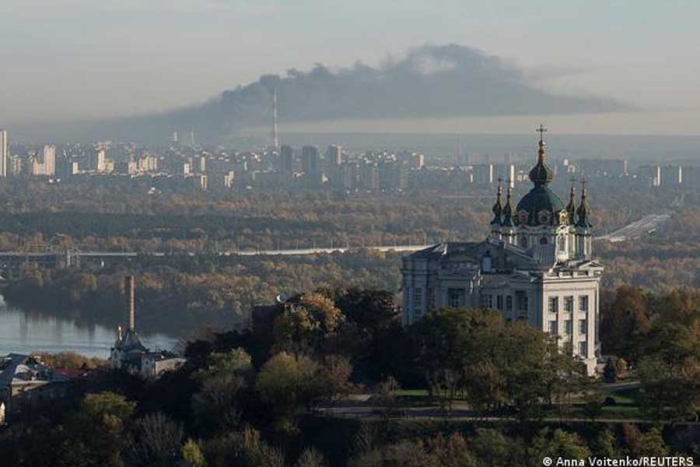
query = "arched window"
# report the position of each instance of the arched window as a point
(523, 241)
(543, 241)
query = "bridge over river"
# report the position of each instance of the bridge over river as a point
(11, 262)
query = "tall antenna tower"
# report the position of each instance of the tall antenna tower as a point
(275, 135)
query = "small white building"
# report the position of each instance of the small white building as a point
(535, 266)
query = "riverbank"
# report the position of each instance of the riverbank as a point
(24, 331)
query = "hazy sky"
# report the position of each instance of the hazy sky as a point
(74, 59)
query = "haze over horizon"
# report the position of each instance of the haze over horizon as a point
(620, 68)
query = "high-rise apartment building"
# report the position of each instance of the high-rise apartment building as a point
(14, 165)
(286, 159)
(44, 163)
(334, 155)
(483, 174)
(97, 160)
(3, 153)
(309, 160)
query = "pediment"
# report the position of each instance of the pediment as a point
(461, 259)
(591, 265)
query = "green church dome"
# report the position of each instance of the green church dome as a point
(541, 206)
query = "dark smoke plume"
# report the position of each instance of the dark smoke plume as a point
(430, 81)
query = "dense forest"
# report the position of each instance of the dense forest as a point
(111, 213)
(262, 397)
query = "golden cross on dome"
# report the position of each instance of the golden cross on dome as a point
(541, 130)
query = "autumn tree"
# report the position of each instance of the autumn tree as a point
(624, 323)
(154, 440)
(285, 383)
(306, 325)
(216, 403)
(98, 429)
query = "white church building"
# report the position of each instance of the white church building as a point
(535, 266)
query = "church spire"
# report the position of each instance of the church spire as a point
(497, 207)
(508, 209)
(541, 174)
(571, 207)
(584, 211)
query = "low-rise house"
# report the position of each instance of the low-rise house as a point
(24, 378)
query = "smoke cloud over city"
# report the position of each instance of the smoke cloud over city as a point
(429, 81)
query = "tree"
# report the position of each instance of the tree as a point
(493, 449)
(632, 439)
(486, 386)
(285, 384)
(385, 395)
(365, 439)
(242, 448)
(652, 444)
(192, 454)
(492, 362)
(372, 310)
(559, 444)
(311, 458)
(404, 453)
(625, 323)
(603, 445)
(669, 388)
(451, 451)
(610, 371)
(331, 378)
(234, 362)
(98, 429)
(215, 404)
(593, 403)
(531, 364)
(307, 325)
(656, 386)
(449, 342)
(154, 440)
(373, 334)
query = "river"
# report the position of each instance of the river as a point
(23, 331)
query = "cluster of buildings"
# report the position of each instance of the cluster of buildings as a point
(25, 379)
(183, 163)
(536, 266)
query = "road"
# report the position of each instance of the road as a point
(436, 413)
(636, 229)
(289, 252)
